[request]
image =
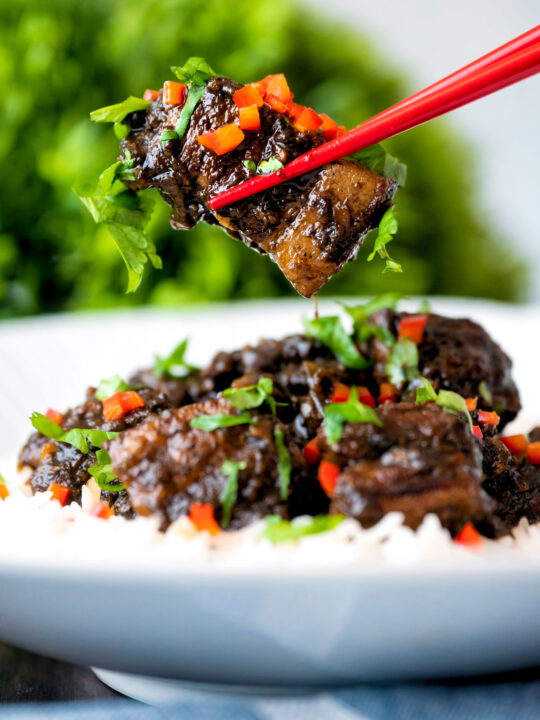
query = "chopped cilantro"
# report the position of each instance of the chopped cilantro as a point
(268, 166)
(103, 473)
(121, 130)
(284, 464)
(250, 165)
(116, 113)
(278, 530)
(2, 479)
(330, 331)
(78, 437)
(377, 159)
(449, 401)
(229, 494)
(253, 396)
(485, 393)
(353, 411)
(174, 365)
(195, 70)
(112, 385)
(219, 420)
(167, 135)
(402, 362)
(126, 214)
(195, 93)
(361, 313)
(387, 229)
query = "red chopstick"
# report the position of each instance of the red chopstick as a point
(508, 64)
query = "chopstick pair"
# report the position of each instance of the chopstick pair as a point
(507, 64)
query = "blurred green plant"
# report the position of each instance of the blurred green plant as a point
(61, 59)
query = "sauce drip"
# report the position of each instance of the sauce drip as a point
(316, 301)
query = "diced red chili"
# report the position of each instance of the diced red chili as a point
(329, 127)
(340, 393)
(102, 510)
(119, 404)
(246, 96)
(477, 432)
(54, 415)
(222, 140)
(173, 92)
(276, 104)
(387, 393)
(311, 452)
(260, 86)
(309, 120)
(488, 418)
(469, 535)
(150, 94)
(278, 86)
(294, 110)
(328, 475)
(471, 403)
(341, 131)
(4, 492)
(365, 396)
(59, 492)
(533, 453)
(515, 443)
(249, 118)
(412, 328)
(202, 516)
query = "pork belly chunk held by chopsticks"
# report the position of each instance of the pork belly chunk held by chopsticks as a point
(310, 227)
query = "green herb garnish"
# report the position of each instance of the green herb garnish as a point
(167, 135)
(485, 393)
(116, 113)
(330, 331)
(174, 365)
(387, 229)
(402, 362)
(360, 315)
(228, 497)
(449, 401)
(112, 385)
(253, 396)
(352, 411)
(78, 437)
(377, 159)
(195, 70)
(250, 165)
(219, 420)
(2, 479)
(284, 464)
(268, 166)
(126, 214)
(278, 530)
(103, 473)
(195, 93)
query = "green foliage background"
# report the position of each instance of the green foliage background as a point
(61, 59)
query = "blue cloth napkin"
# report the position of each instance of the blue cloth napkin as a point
(504, 701)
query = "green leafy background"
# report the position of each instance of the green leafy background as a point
(61, 59)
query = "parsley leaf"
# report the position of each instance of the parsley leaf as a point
(352, 410)
(78, 437)
(167, 135)
(229, 494)
(387, 229)
(284, 464)
(2, 479)
(253, 396)
(449, 401)
(116, 113)
(126, 215)
(103, 473)
(485, 393)
(195, 93)
(402, 362)
(278, 530)
(377, 159)
(195, 70)
(268, 166)
(112, 385)
(219, 420)
(330, 331)
(250, 165)
(174, 365)
(361, 313)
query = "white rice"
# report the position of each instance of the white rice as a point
(35, 530)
